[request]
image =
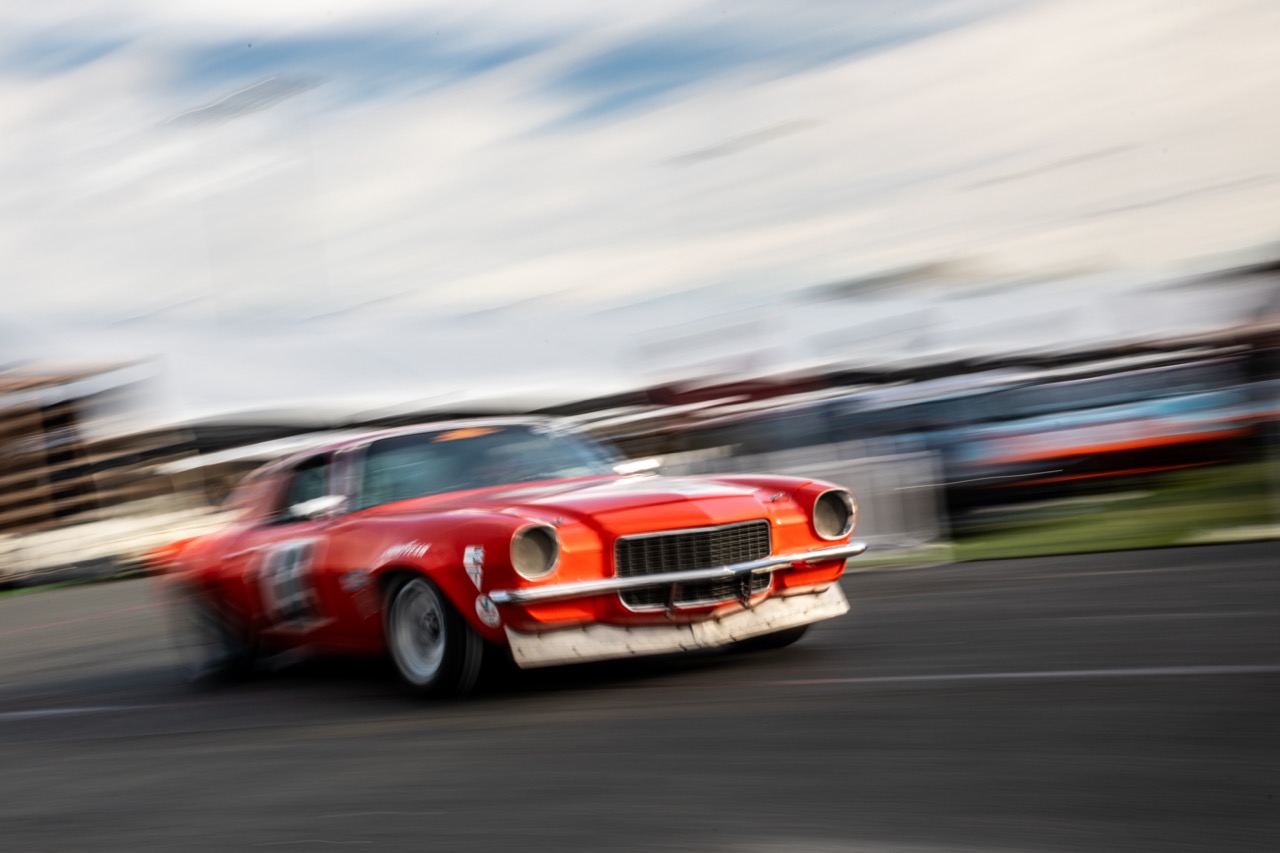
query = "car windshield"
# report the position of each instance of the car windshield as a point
(431, 463)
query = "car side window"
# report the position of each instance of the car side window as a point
(399, 469)
(310, 480)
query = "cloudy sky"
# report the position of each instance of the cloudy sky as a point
(283, 200)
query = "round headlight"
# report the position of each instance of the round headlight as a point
(535, 551)
(834, 514)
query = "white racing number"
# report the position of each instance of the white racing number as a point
(287, 587)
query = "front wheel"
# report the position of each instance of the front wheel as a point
(434, 650)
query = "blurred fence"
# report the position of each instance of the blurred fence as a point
(899, 497)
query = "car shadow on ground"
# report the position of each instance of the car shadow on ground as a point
(502, 680)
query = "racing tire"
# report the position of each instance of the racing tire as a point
(209, 646)
(776, 640)
(434, 650)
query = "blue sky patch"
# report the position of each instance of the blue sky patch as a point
(638, 72)
(364, 65)
(49, 55)
(642, 71)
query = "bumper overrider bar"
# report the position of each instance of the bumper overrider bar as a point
(583, 589)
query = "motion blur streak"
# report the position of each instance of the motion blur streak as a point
(1049, 675)
(63, 712)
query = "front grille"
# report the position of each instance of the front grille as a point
(684, 550)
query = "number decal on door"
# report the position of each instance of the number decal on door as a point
(288, 590)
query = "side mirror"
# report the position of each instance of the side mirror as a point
(326, 506)
(638, 466)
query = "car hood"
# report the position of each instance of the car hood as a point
(624, 504)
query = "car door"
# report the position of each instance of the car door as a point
(282, 561)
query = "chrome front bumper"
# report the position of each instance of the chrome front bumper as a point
(607, 642)
(583, 589)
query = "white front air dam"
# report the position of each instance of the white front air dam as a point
(604, 642)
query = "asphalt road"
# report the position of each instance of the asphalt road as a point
(1123, 702)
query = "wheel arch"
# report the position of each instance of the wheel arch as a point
(452, 582)
(464, 653)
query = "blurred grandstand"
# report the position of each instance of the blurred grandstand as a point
(933, 423)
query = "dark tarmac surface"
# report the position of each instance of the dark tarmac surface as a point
(1125, 702)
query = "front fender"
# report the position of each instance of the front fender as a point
(463, 559)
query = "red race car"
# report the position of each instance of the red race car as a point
(443, 544)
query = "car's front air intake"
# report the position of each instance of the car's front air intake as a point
(682, 550)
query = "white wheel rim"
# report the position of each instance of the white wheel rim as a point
(417, 631)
